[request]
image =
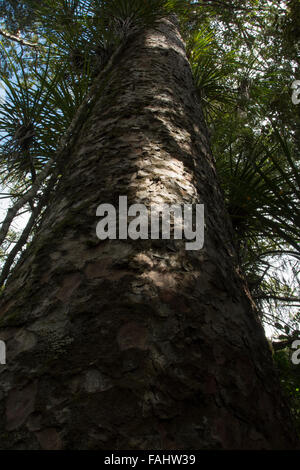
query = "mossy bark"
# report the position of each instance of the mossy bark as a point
(123, 344)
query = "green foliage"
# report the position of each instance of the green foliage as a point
(17, 14)
(26, 118)
(212, 70)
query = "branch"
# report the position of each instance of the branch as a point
(278, 252)
(12, 211)
(220, 4)
(17, 39)
(276, 297)
(278, 345)
(26, 232)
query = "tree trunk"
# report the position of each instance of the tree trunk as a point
(123, 344)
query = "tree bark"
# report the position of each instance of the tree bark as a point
(123, 344)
